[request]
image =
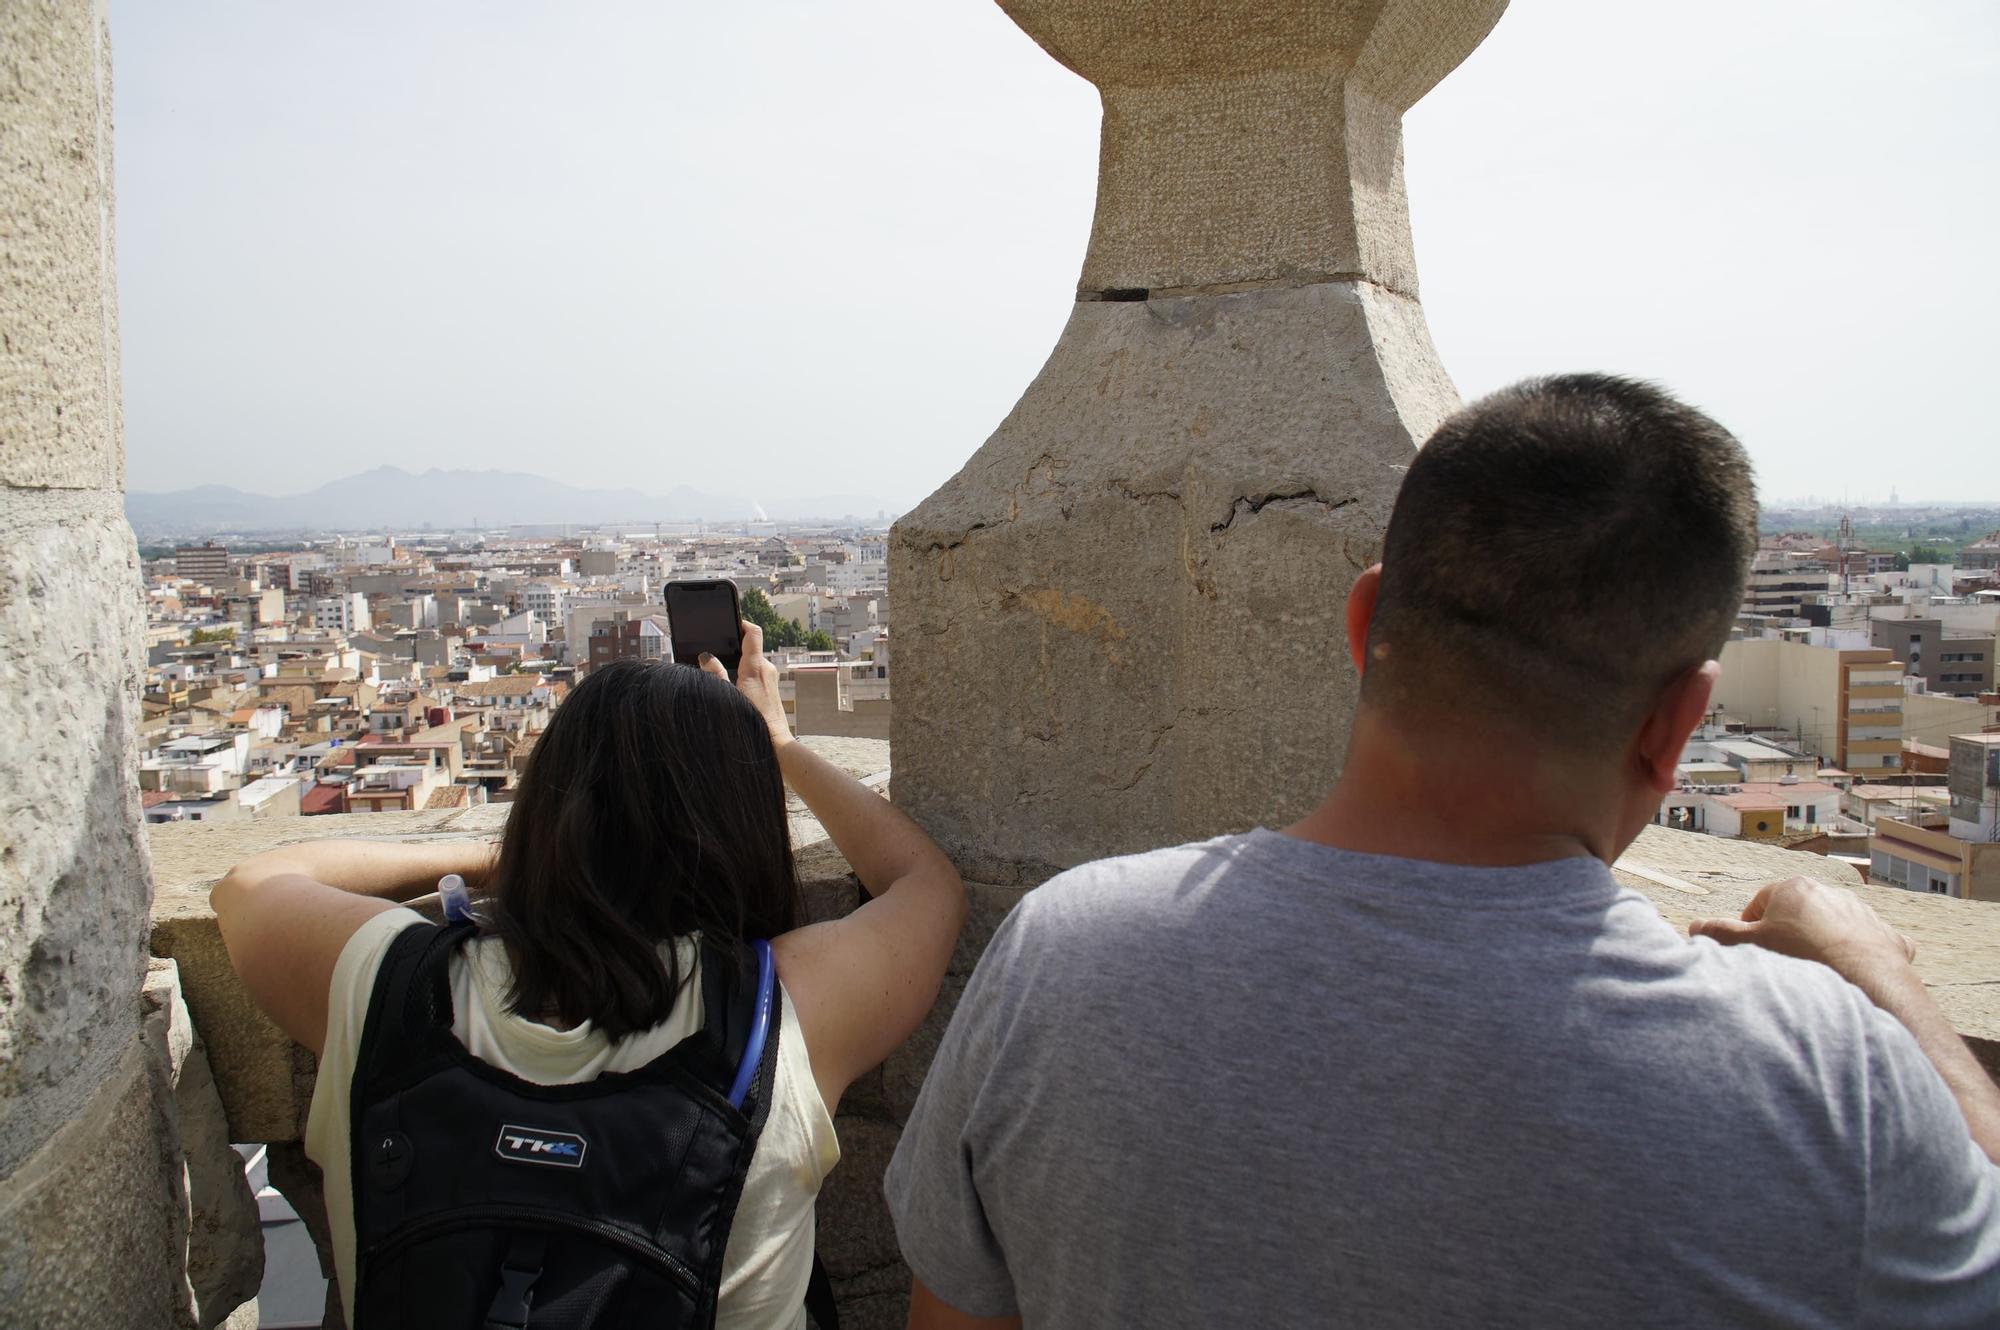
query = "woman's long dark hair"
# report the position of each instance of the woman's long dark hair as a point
(651, 808)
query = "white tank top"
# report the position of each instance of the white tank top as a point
(769, 1257)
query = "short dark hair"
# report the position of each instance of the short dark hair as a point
(1559, 551)
(651, 808)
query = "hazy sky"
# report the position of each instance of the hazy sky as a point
(788, 248)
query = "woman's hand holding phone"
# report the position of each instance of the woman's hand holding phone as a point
(758, 678)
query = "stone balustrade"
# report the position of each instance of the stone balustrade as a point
(265, 1082)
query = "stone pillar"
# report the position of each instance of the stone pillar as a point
(93, 1203)
(1121, 623)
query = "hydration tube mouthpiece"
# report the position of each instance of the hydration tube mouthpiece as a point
(457, 900)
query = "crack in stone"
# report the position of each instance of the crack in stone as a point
(941, 546)
(1253, 504)
(1144, 496)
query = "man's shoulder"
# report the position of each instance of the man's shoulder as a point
(1138, 884)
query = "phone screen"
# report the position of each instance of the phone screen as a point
(703, 616)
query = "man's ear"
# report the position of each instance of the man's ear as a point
(1361, 613)
(1676, 711)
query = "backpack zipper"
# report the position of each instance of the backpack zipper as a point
(527, 1217)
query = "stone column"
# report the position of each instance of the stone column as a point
(93, 1207)
(1121, 623)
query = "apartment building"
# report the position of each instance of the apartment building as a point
(255, 609)
(545, 600)
(1956, 664)
(1962, 858)
(403, 774)
(1845, 705)
(1983, 555)
(624, 636)
(344, 614)
(206, 562)
(197, 764)
(1783, 582)
(1974, 781)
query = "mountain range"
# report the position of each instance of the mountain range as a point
(389, 497)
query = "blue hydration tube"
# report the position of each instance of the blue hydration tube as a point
(760, 1028)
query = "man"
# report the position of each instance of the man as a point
(1417, 1060)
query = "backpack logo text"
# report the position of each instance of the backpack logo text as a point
(538, 1145)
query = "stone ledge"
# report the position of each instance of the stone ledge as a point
(264, 1079)
(266, 1082)
(1958, 942)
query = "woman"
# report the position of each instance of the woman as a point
(651, 810)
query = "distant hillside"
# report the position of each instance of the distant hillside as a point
(390, 497)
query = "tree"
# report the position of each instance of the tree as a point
(205, 635)
(1928, 554)
(818, 640)
(778, 631)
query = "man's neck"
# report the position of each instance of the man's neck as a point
(1459, 798)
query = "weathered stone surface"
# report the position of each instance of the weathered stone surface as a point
(1109, 601)
(225, 1243)
(1246, 143)
(1098, 616)
(903, 1071)
(59, 401)
(263, 1079)
(856, 1238)
(828, 885)
(196, 854)
(73, 874)
(93, 1224)
(1958, 942)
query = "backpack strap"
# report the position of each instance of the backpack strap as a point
(409, 1012)
(820, 1305)
(732, 996)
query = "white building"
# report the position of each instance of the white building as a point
(546, 601)
(344, 615)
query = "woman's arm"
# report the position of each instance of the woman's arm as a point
(285, 915)
(861, 984)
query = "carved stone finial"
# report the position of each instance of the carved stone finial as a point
(1252, 142)
(1121, 623)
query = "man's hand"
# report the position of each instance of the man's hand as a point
(1815, 922)
(1808, 919)
(758, 678)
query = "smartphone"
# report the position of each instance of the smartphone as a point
(705, 616)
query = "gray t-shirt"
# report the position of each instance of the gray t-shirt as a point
(1260, 1082)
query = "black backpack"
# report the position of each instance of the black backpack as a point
(483, 1200)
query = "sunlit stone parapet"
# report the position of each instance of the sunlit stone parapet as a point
(1686, 875)
(1693, 877)
(93, 1215)
(1120, 624)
